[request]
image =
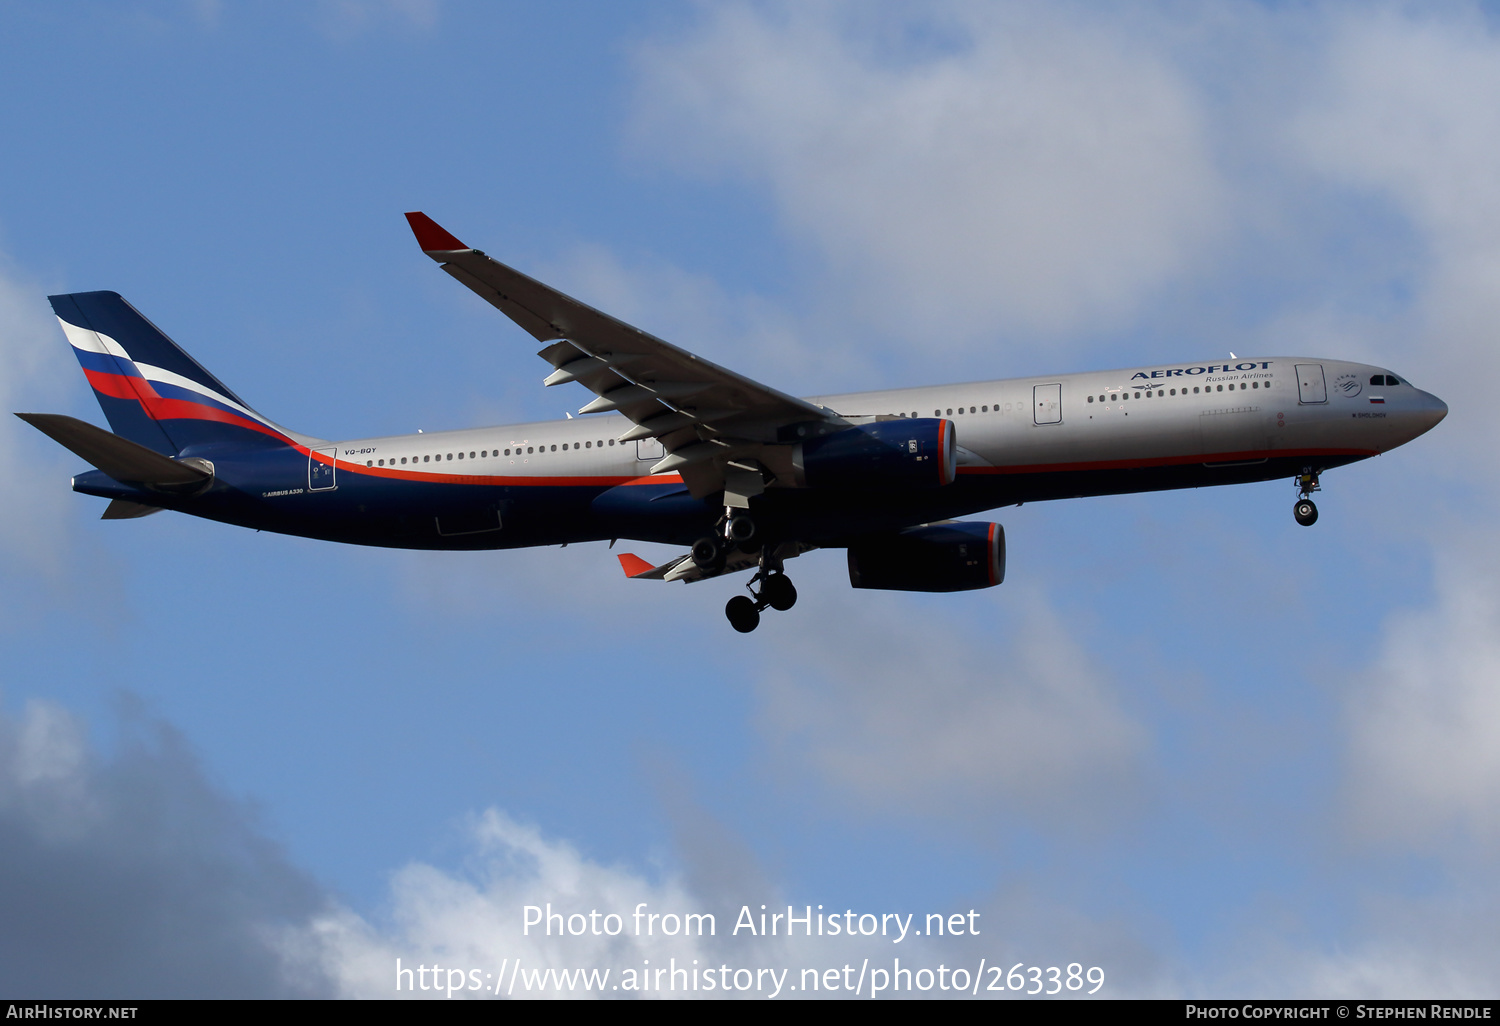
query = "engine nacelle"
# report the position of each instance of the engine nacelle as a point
(935, 557)
(916, 452)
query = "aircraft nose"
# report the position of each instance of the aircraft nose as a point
(1430, 411)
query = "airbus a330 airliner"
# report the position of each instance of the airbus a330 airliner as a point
(679, 450)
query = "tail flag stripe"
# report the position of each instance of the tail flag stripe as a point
(151, 390)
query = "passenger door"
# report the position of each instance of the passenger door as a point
(1046, 403)
(320, 475)
(1311, 388)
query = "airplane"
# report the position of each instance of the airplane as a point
(676, 449)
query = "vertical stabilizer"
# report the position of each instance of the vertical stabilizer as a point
(151, 391)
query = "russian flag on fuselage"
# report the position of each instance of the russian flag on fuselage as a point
(151, 391)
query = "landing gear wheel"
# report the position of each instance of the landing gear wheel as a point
(743, 616)
(741, 531)
(777, 592)
(708, 554)
(1305, 512)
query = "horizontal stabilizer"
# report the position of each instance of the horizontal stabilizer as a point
(124, 509)
(126, 461)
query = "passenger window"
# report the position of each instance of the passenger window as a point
(1091, 398)
(984, 409)
(937, 413)
(369, 463)
(554, 448)
(971, 409)
(471, 454)
(588, 445)
(460, 456)
(950, 411)
(530, 449)
(1138, 395)
(611, 441)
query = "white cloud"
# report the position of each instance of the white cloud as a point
(964, 170)
(131, 876)
(905, 709)
(475, 921)
(1425, 756)
(1400, 114)
(35, 371)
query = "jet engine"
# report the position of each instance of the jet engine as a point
(949, 556)
(917, 452)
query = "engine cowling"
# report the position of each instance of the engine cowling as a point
(934, 557)
(916, 452)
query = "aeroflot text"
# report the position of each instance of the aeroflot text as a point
(1218, 368)
(766, 923)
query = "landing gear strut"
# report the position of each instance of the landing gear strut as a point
(1305, 512)
(776, 591)
(735, 530)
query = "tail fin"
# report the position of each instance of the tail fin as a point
(151, 391)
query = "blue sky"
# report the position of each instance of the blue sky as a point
(1187, 741)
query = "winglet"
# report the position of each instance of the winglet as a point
(634, 565)
(431, 236)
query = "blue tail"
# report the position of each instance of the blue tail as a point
(151, 391)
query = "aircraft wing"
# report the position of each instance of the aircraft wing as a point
(720, 429)
(682, 568)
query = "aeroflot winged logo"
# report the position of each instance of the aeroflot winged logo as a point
(1217, 368)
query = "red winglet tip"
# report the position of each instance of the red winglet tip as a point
(634, 565)
(431, 236)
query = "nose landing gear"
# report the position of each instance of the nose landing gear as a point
(1305, 512)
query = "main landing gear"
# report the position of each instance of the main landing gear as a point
(1305, 512)
(736, 530)
(776, 591)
